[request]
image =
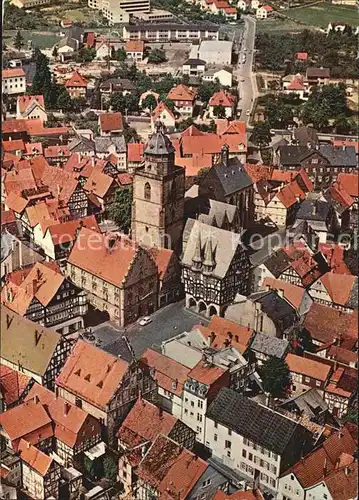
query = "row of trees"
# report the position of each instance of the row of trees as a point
(276, 52)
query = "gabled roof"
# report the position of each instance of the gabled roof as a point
(313, 72)
(340, 287)
(168, 373)
(212, 144)
(12, 73)
(205, 374)
(26, 343)
(92, 374)
(170, 469)
(12, 384)
(26, 101)
(308, 367)
(64, 232)
(76, 80)
(191, 131)
(145, 421)
(253, 421)
(182, 93)
(159, 109)
(343, 483)
(301, 56)
(350, 183)
(110, 122)
(134, 46)
(221, 98)
(35, 458)
(135, 152)
(269, 345)
(15, 202)
(98, 183)
(222, 327)
(28, 420)
(292, 293)
(162, 257)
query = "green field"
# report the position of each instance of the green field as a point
(321, 14)
(43, 40)
(279, 25)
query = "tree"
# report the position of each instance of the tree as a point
(170, 104)
(130, 134)
(85, 55)
(201, 173)
(261, 134)
(207, 89)
(324, 104)
(78, 104)
(18, 40)
(42, 82)
(157, 56)
(55, 52)
(110, 468)
(219, 111)
(149, 102)
(120, 210)
(275, 376)
(120, 55)
(64, 101)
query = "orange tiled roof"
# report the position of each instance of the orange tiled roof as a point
(98, 183)
(350, 183)
(292, 293)
(309, 470)
(145, 421)
(206, 374)
(56, 151)
(15, 202)
(16, 182)
(61, 183)
(12, 73)
(110, 122)
(192, 130)
(340, 195)
(239, 495)
(286, 196)
(182, 93)
(25, 101)
(76, 80)
(16, 145)
(301, 56)
(12, 384)
(224, 127)
(7, 217)
(168, 373)
(34, 457)
(221, 98)
(111, 266)
(33, 148)
(162, 257)
(40, 212)
(212, 144)
(26, 420)
(15, 126)
(343, 483)
(221, 327)
(134, 46)
(159, 109)
(308, 367)
(64, 232)
(125, 179)
(135, 152)
(193, 164)
(92, 374)
(334, 255)
(338, 286)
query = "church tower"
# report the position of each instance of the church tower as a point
(158, 195)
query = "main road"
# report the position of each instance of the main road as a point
(247, 87)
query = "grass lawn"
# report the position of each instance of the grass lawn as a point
(43, 40)
(279, 26)
(322, 14)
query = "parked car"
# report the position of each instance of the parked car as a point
(248, 112)
(145, 321)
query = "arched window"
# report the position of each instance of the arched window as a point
(147, 191)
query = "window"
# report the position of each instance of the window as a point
(185, 411)
(227, 444)
(199, 429)
(205, 483)
(186, 400)
(200, 403)
(215, 425)
(250, 456)
(307, 379)
(244, 454)
(215, 437)
(317, 383)
(229, 453)
(229, 432)
(199, 417)
(147, 193)
(192, 403)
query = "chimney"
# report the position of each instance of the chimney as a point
(36, 398)
(236, 338)
(66, 408)
(314, 208)
(139, 395)
(56, 391)
(347, 471)
(224, 155)
(267, 288)
(27, 444)
(280, 292)
(212, 336)
(325, 467)
(230, 335)
(160, 412)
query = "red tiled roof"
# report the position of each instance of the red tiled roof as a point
(326, 323)
(212, 144)
(182, 93)
(168, 373)
(16, 203)
(56, 151)
(162, 257)
(338, 286)
(12, 73)
(334, 255)
(222, 327)
(292, 293)
(342, 355)
(33, 148)
(339, 194)
(28, 420)
(296, 84)
(16, 182)
(98, 183)
(16, 145)
(343, 483)
(37, 460)
(125, 179)
(135, 152)
(309, 470)
(257, 172)
(343, 382)
(194, 164)
(12, 384)
(239, 495)
(268, 8)
(170, 468)
(146, 421)
(307, 367)
(25, 101)
(111, 122)
(192, 130)
(61, 183)
(301, 56)
(90, 41)
(221, 98)
(230, 10)
(159, 109)
(76, 80)
(92, 374)
(350, 183)
(286, 196)
(66, 231)
(224, 126)
(134, 46)
(7, 217)
(15, 126)
(206, 374)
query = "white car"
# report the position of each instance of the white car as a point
(145, 321)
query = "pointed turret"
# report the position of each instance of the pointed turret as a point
(209, 262)
(197, 256)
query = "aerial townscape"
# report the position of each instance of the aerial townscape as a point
(179, 250)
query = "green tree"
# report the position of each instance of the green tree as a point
(120, 55)
(261, 134)
(64, 101)
(207, 89)
(219, 111)
(130, 134)
(85, 55)
(95, 102)
(117, 102)
(275, 376)
(42, 82)
(351, 416)
(201, 173)
(324, 104)
(79, 103)
(120, 210)
(18, 40)
(157, 56)
(55, 52)
(110, 468)
(170, 104)
(149, 103)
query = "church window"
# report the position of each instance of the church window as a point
(147, 191)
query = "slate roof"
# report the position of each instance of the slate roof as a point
(277, 308)
(102, 144)
(310, 403)
(336, 157)
(313, 72)
(316, 210)
(253, 421)
(269, 345)
(194, 62)
(277, 263)
(68, 42)
(121, 83)
(81, 144)
(217, 212)
(232, 177)
(159, 143)
(305, 134)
